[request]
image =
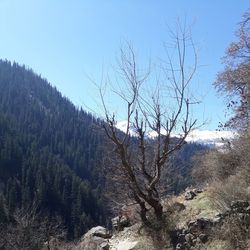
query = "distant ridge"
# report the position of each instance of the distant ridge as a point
(207, 137)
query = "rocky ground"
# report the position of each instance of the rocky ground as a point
(195, 223)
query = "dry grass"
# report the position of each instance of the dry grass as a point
(200, 206)
(217, 245)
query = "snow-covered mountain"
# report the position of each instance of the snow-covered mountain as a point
(207, 137)
(122, 125)
(210, 137)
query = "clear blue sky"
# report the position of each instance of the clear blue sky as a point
(65, 41)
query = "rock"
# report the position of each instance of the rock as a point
(195, 240)
(189, 238)
(203, 238)
(217, 220)
(241, 216)
(192, 223)
(239, 206)
(227, 213)
(204, 223)
(185, 231)
(239, 203)
(246, 220)
(53, 243)
(199, 224)
(181, 238)
(248, 210)
(95, 238)
(197, 190)
(220, 215)
(91, 243)
(192, 226)
(127, 245)
(189, 195)
(177, 206)
(104, 245)
(119, 222)
(179, 246)
(99, 231)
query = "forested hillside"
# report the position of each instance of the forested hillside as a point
(52, 156)
(49, 153)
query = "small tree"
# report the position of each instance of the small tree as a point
(165, 113)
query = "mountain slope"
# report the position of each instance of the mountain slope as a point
(50, 152)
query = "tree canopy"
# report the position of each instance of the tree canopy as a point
(234, 80)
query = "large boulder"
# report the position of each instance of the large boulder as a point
(127, 245)
(99, 231)
(95, 239)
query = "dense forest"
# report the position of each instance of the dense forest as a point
(49, 153)
(52, 155)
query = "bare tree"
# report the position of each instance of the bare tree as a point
(28, 230)
(165, 113)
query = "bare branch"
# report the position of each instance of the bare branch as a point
(143, 162)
